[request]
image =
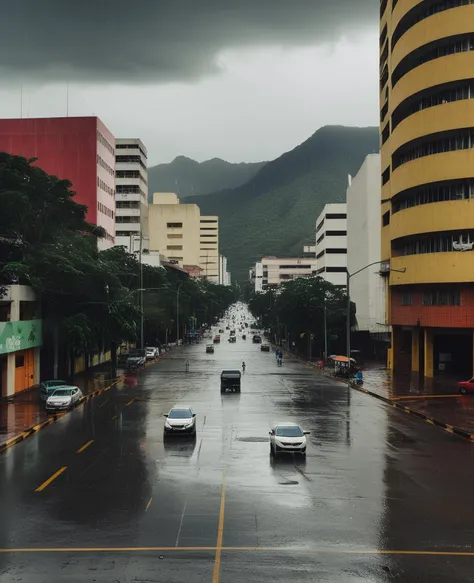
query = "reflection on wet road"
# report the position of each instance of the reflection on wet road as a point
(99, 496)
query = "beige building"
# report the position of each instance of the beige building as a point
(271, 271)
(183, 235)
(209, 245)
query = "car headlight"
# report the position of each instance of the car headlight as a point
(190, 424)
(167, 425)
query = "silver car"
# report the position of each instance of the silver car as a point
(288, 438)
(47, 388)
(64, 398)
(179, 421)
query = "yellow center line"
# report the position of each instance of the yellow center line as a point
(104, 403)
(148, 505)
(130, 402)
(114, 417)
(49, 480)
(294, 549)
(85, 446)
(220, 535)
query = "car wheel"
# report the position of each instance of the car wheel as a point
(463, 390)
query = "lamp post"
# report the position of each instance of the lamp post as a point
(348, 296)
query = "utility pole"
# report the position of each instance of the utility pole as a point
(142, 317)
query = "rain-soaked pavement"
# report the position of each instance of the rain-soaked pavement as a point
(98, 496)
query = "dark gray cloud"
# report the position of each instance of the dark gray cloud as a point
(159, 40)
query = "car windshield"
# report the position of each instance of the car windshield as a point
(180, 414)
(288, 431)
(62, 393)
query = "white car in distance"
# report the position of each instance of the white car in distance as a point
(180, 421)
(287, 438)
(64, 398)
(151, 352)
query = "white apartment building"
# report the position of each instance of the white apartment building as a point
(367, 288)
(131, 186)
(209, 248)
(331, 244)
(224, 274)
(272, 271)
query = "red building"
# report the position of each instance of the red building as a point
(79, 149)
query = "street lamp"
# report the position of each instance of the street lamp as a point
(348, 307)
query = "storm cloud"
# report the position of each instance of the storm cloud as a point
(132, 41)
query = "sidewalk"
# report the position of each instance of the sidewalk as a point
(25, 410)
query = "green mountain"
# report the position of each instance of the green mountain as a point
(187, 177)
(275, 212)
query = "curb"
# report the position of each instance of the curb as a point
(55, 416)
(403, 408)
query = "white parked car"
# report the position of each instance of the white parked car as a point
(64, 398)
(180, 420)
(288, 438)
(151, 352)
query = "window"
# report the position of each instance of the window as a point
(431, 97)
(214, 221)
(175, 236)
(337, 251)
(433, 192)
(440, 48)
(119, 219)
(320, 239)
(384, 111)
(204, 235)
(19, 361)
(384, 77)
(127, 204)
(386, 175)
(386, 219)
(320, 254)
(336, 269)
(130, 160)
(461, 139)
(383, 36)
(442, 297)
(174, 247)
(128, 174)
(208, 229)
(422, 11)
(406, 298)
(320, 226)
(336, 216)
(174, 225)
(336, 233)
(435, 243)
(383, 6)
(386, 132)
(125, 233)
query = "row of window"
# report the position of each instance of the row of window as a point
(125, 233)
(422, 11)
(447, 46)
(105, 187)
(331, 270)
(105, 210)
(437, 243)
(437, 95)
(130, 147)
(131, 174)
(127, 204)
(174, 247)
(462, 139)
(105, 143)
(332, 234)
(130, 160)
(174, 225)
(437, 297)
(434, 192)
(105, 166)
(121, 219)
(108, 237)
(331, 251)
(130, 189)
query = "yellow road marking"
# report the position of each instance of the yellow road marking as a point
(429, 421)
(220, 535)
(130, 402)
(410, 397)
(104, 403)
(114, 417)
(294, 549)
(49, 480)
(148, 505)
(85, 446)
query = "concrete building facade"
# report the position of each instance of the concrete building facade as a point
(175, 229)
(272, 271)
(331, 244)
(131, 180)
(79, 149)
(427, 177)
(209, 248)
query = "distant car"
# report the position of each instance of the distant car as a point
(210, 349)
(232, 332)
(288, 438)
(257, 339)
(233, 339)
(265, 347)
(466, 386)
(221, 331)
(217, 339)
(151, 352)
(47, 388)
(64, 398)
(136, 359)
(179, 421)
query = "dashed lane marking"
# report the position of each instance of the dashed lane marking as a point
(51, 479)
(85, 446)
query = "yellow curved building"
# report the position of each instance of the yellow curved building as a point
(427, 205)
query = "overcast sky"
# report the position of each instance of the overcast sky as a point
(242, 80)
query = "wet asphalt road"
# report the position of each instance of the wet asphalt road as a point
(130, 508)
